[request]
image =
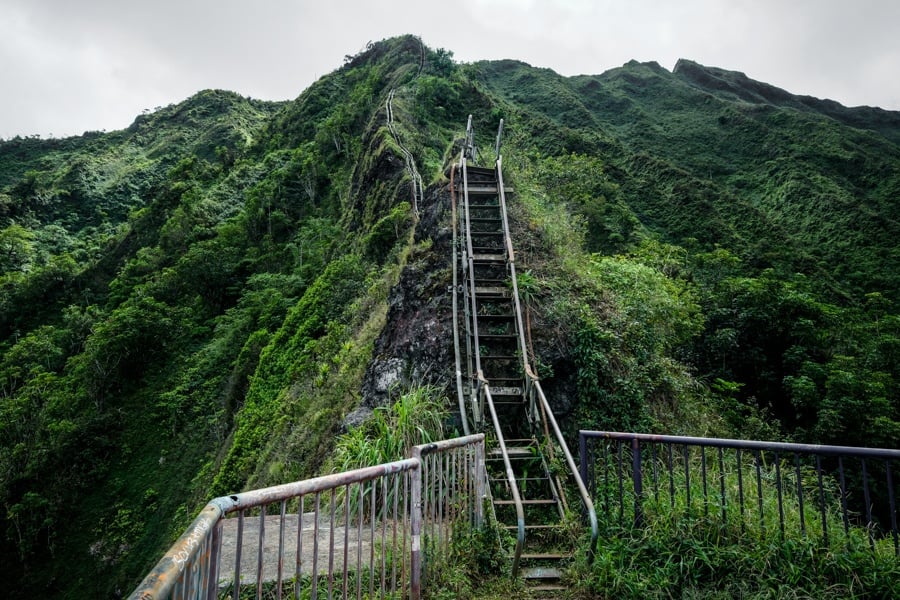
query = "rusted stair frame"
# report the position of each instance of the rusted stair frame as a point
(483, 385)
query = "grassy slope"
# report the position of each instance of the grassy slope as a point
(775, 178)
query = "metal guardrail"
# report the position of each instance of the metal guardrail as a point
(357, 532)
(754, 489)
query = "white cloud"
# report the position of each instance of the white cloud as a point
(92, 64)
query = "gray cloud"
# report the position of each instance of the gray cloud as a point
(95, 64)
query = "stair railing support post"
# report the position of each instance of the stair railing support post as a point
(415, 525)
(479, 476)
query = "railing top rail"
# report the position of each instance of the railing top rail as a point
(573, 468)
(439, 446)
(163, 578)
(854, 451)
(286, 491)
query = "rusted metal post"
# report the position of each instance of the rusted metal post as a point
(415, 568)
(479, 479)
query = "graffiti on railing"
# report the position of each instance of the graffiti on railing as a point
(197, 536)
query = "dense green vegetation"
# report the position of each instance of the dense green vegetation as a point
(187, 306)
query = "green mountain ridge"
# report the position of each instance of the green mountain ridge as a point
(194, 305)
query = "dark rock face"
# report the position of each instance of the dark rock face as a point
(416, 345)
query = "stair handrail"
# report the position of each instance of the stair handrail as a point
(511, 263)
(473, 306)
(573, 467)
(459, 384)
(510, 476)
(469, 150)
(533, 385)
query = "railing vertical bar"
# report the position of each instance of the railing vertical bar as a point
(870, 525)
(280, 577)
(411, 477)
(298, 561)
(239, 546)
(757, 459)
(346, 561)
(215, 559)
(179, 590)
(441, 500)
(331, 511)
(703, 472)
(671, 477)
(637, 481)
(843, 484)
(722, 489)
(372, 541)
(314, 586)
(778, 485)
(480, 483)
(800, 493)
(687, 478)
(384, 525)
(396, 483)
(259, 557)
(893, 505)
(359, 538)
(822, 512)
(740, 474)
(583, 462)
(655, 473)
(606, 501)
(452, 497)
(620, 476)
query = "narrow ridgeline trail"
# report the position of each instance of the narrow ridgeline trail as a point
(528, 465)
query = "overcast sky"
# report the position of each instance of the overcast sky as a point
(67, 66)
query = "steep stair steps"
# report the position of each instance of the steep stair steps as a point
(496, 359)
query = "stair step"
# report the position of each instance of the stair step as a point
(482, 189)
(497, 291)
(541, 573)
(489, 258)
(544, 556)
(506, 391)
(514, 451)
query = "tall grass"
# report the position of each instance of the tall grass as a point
(711, 525)
(417, 417)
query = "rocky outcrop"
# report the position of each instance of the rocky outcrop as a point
(416, 345)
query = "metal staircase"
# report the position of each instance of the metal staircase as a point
(498, 391)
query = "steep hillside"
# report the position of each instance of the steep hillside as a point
(194, 305)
